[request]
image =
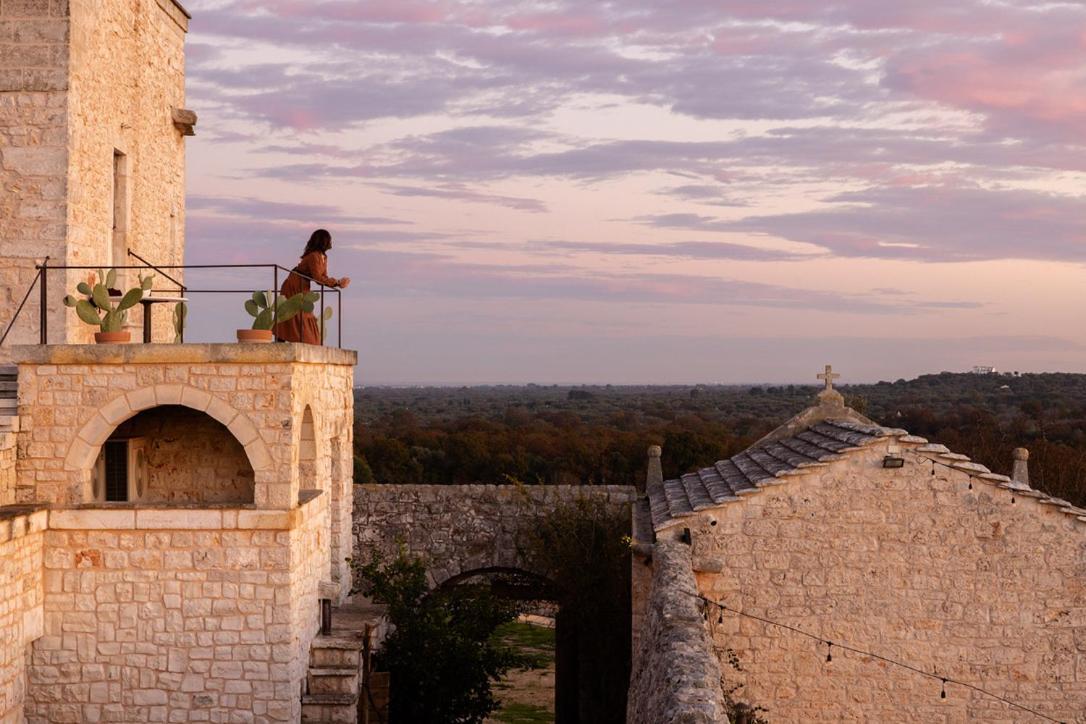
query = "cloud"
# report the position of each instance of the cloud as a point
(251, 208)
(930, 224)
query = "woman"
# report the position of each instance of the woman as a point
(304, 327)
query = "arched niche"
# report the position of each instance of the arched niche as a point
(172, 454)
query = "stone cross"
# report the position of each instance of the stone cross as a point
(829, 376)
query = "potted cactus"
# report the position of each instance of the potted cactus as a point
(262, 307)
(99, 308)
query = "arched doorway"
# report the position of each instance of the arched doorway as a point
(171, 454)
(523, 585)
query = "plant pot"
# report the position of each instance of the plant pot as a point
(255, 336)
(113, 337)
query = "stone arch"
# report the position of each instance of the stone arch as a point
(84, 449)
(521, 582)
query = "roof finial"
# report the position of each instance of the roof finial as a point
(830, 397)
(829, 376)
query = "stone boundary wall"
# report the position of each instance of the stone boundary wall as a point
(676, 675)
(176, 614)
(21, 533)
(461, 528)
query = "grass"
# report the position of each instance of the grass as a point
(526, 636)
(534, 642)
(524, 714)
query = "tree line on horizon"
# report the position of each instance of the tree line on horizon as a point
(598, 435)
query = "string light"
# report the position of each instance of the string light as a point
(706, 602)
(951, 467)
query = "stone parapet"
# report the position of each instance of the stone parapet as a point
(676, 675)
(72, 398)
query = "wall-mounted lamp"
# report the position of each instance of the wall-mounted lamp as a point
(893, 461)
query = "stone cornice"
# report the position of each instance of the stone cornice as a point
(89, 354)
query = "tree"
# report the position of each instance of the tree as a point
(441, 655)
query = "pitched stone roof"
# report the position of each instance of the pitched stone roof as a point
(775, 458)
(760, 465)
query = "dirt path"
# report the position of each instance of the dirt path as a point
(527, 696)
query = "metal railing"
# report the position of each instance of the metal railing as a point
(41, 280)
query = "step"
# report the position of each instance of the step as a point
(330, 708)
(336, 652)
(333, 680)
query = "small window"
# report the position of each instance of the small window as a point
(120, 473)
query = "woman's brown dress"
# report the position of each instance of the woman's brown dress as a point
(304, 327)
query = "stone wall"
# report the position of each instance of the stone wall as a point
(174, 615)
(328, 393)
(7, 467)
(20, 602)
(33, 153)
(461, 528)
(127, 74)
(676, 676)
(191, 458)
(308, 569)
(982, 584)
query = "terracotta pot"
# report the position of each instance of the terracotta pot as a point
(112, 337)
(257, 336)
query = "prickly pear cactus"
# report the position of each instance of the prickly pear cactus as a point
(263, 305)
(98, 309)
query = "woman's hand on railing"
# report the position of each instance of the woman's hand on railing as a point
(344, 283)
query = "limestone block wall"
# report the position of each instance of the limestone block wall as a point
(985, 585)
(20, 602)
(461, 528)
(161, 614)
(7, 468)
(127, 74)
(676, 675)
(34, 55)
(71, 398)
(191, 457)
(328, 393)
(308, 569)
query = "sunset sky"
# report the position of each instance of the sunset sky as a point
(656, 191)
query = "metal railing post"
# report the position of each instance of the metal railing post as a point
(339, 319)
(322, 313)
(44, 317)
(275, 299)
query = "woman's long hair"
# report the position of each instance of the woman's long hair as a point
(320, 240)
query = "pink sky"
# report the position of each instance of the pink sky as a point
(657, 191)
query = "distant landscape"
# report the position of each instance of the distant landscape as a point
(595, 435)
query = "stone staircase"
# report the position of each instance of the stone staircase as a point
(337, 665)
(9, 390)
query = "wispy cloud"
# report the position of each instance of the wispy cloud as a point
(750, 155)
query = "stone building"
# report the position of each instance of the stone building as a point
(172, 516)
(862, 536)
(92, 128)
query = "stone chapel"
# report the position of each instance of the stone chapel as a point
(834, 535)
